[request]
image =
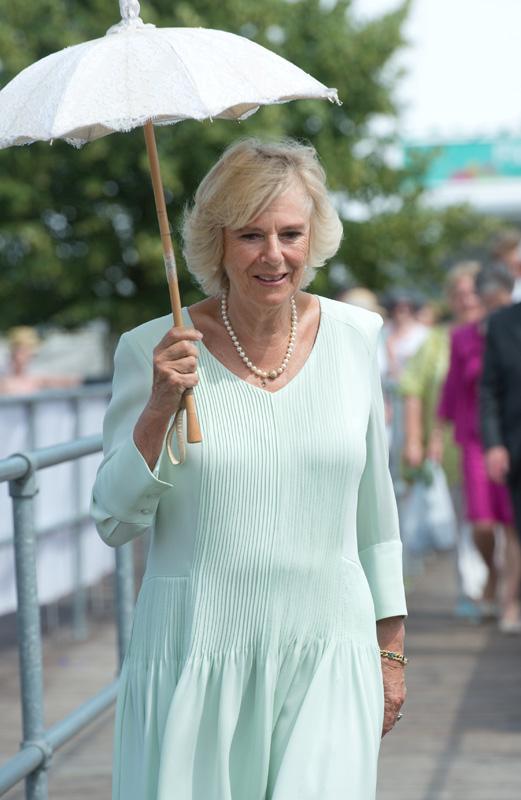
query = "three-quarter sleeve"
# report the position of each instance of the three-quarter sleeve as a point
(379, 544)
(126, 492)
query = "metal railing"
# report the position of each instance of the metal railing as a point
(30, 404)
(38, 744)
(74, 396)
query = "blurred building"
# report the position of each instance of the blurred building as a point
(486, 173)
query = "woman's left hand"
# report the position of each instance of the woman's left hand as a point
(394, 692)
(391, 636)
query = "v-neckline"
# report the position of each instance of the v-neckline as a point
(305, 365)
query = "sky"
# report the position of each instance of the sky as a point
(463, 64)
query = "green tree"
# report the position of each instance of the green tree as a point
(78, 233)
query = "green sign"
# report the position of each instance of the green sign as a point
(469, 161)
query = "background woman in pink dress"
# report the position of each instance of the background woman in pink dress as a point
(487, 503)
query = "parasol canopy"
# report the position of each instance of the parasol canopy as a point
(138, 73)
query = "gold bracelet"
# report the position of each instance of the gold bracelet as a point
(394, 656)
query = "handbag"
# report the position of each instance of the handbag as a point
(427, 516)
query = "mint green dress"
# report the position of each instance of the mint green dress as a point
(253, 671)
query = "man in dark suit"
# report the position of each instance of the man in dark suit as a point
(500, 402)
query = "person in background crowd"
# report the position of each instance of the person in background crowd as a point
(23, 344)
(427, 313)
(402, 335)
(362, 298)
(506, 249)
(500, 407)
(487, 503)
(420, 386)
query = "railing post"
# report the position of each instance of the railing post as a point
(124, 579)
(23, 491)
(80, 627)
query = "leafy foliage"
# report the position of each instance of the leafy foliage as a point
(78, 232)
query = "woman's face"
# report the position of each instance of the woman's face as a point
(464, 300)
(265, 260)
(402, 312)
(21, 356)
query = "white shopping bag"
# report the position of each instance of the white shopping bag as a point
(428, 519)
(471, 566)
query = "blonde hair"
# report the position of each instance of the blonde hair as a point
(22, 336)
(361, 297)
(249, 175)
(462, 269)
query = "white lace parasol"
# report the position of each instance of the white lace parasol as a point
(138, 73)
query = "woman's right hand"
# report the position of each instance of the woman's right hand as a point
(175, 369)
(497, 460)
(413, 453)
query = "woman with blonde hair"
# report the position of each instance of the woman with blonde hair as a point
(266, 657)
(24, 342)
(426, 438)
(487, 504)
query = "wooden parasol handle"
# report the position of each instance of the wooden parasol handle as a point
(192, 423)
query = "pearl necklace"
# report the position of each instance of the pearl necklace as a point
(263, 374)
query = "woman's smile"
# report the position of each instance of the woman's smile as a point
(272, 280)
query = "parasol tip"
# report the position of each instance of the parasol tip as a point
(129, 9)
(332, 96)
(130, 19)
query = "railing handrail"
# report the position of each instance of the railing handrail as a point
(19, 465)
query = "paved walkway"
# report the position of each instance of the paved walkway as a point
(460, 737)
